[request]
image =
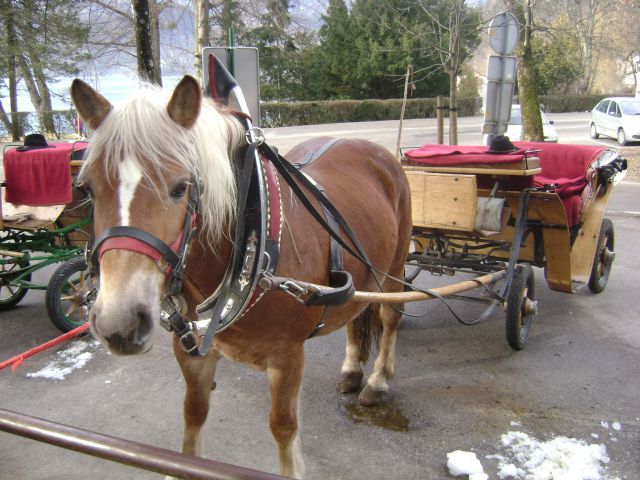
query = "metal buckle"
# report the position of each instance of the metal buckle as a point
(293, 289)
(187, 339)
(255, 134)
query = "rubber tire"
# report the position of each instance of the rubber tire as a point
(59, 287)
(621, 135)
(599, 277)
(593, 131)
(517, 328)
(18, 295)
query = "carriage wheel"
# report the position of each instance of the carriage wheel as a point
(70, 294)
(603, 259)
(521, 307)
(10, 293)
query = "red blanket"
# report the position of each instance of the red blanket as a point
(40, 176)
(438, 155)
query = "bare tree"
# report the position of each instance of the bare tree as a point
(527, 75)
(453, 33)
(203, 31)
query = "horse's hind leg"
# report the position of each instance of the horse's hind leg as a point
(198, 375)
(351, 373)
(384, 366)
(285, 377)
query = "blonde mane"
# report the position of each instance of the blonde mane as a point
(142, 129)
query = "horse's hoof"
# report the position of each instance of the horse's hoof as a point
(350, 382)
(370, 398)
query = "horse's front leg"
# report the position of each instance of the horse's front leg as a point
(198, 375)
(285, 377)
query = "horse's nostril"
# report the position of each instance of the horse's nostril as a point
(145, 322)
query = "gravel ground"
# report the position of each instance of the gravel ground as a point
(632, 154)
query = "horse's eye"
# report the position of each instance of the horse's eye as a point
(86, 189)
(179, 190)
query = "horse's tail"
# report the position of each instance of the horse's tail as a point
(368, 328)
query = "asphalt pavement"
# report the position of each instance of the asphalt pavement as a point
(456, 388)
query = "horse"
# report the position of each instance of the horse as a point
(139, 170)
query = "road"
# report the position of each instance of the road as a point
(571, 127)
(456, 387)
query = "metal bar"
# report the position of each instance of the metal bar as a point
(123, 451)
(402, 297)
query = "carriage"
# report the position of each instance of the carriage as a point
(509, 208)
(45, 220)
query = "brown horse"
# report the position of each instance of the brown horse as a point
(139, 170)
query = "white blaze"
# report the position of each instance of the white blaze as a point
(130, 175)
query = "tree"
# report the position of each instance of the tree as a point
(454, 27)
(147, 68)
(526, 73)
(47, 37)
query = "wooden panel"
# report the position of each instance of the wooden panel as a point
(443, 201)
(478, 170)
(584, 246)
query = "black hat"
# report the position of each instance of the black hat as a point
(33, 141)
(501, 144)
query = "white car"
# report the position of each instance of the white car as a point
(514, 130)
(616, 117)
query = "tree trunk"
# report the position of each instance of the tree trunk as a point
(203, 32)
(5, 121)
(527, 77)
(15, 129)
(144, 44)
(155, 40)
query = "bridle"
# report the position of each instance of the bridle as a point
(170, 258)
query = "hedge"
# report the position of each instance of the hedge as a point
(338, 111)
(570, 103)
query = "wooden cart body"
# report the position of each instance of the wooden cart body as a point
(445, 200)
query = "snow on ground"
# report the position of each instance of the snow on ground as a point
(465, 463)
(72, 358)
(523, 457)
(559, 458)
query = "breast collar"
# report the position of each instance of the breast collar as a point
(256, 250)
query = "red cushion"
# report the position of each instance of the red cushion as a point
(561, 160)
(437, 155)
(565, 166)
(38, 177)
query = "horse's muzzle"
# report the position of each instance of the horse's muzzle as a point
(127, 335)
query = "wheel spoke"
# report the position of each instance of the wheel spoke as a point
(71, 308)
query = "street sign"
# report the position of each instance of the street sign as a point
(501, 78)
(243, 64)
(504, 33)
(501, 74)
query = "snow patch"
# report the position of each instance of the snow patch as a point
(74, 357)
(560, 458)
(465, 463)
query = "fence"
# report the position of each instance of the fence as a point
(123, 451)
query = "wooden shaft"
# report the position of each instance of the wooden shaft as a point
(403, 297)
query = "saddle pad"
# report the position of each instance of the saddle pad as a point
(38, 177)
(439, 155)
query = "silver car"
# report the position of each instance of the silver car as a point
(514, 130)
(616, 117)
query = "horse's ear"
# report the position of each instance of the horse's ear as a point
(92, 107)
(184, 106)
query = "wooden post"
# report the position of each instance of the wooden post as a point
(440, 118)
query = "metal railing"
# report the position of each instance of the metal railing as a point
(123, 451)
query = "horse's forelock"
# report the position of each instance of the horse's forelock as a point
(141, 130)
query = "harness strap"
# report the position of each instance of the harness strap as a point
(134, 239)
(292, 176)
